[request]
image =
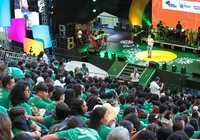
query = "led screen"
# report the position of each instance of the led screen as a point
(37, 46)
(5, 15)
(172, 11)
(17, 31)
(42, 32)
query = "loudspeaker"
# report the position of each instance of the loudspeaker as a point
(122, 58)
(62, 30)
(70, 43)
(67, 29)
(91, 51)
(153, 64)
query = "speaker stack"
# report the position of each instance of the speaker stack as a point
(65, 39)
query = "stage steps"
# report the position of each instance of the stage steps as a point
(129, 68)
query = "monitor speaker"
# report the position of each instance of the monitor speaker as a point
(122, 58)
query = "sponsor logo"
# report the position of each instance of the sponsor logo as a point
(171, 4)
(184, 5)
(196, 7)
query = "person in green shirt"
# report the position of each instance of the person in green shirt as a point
(5, 127)
(99, 122)
(76, 130)
(28, 68)
(20, 94)
(58, 96)
(123, 105)
(50, 94)
(61, 113)
(15, 72)
(7, 84)
(3, 110)
(85, 70)
(79, 108)
(41, 93)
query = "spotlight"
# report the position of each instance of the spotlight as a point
(94, 0)
(173, 68)
(106, 54)
(98, 52)
(113, 56)
(164, 66)
(183, 70)
(94, 10)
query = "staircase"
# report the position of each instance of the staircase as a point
(125, 74)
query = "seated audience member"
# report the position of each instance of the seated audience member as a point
(5, 128)
(119, 133)
(164, 132)
(76, 130)
(19, 96)
(7, 84)
(58, 96)
(61, 113)
(180, 135)
(85, 70)
(41, 93)
(189, 130)
(50, 94)
(146, 135)
(79, 108)
(135, 76)
(22, 136)
(22, 124)
(128, 125)
(99, 122)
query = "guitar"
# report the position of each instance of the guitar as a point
(136, 34)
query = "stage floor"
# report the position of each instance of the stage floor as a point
(138, 55)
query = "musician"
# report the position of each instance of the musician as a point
(134, 35)
(160, 27)
(179, 26)
(150, 43)
(79, 37)
(199, 37)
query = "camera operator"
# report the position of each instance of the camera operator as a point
(156, 87)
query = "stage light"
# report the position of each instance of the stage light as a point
(94, 10)
(94, 0)
(173, 68)
(113, 56)
(183, 70)
(164, 66)
(98, 52)
(106, 54)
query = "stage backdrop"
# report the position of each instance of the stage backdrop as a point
(172, 11)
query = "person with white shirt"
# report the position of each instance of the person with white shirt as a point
(135, 76)
(155, 88)
(150, 43)
(45, 57)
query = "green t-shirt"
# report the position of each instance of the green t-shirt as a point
(83, 118)
(37, 102)
(27, 71)
(3, 110)
(27, 107)
(15, 72)
(147, 106)
(49, 121)
(51, 106)
(144, 120)
(4, 98)
(84, 70)
(195, 135)
(122, 108)
(48, 101)
(143, 125)
(79, 134)
(104, 131)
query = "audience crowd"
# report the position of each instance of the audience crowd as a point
(47, 102)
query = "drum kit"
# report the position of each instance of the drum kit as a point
(188, 36)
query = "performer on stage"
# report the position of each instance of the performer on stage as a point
(160, 27)
(199, 36)
(150, 43)
(178, 26)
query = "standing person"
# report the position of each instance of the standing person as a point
(45, 57)
(79, 37)
(135, 76)
(150, 43)
(154, 86)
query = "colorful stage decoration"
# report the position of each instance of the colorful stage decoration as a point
(17, 31)
(42, 33)
(5, 14)
(33, 46)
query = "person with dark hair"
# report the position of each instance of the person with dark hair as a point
(92, 101)
(163, 111)
(49, 81)
(61, 113)
(76, 129)
(85, 70)
(154, 86)
(70, 96)
(79, 108)
(7, 84)
(50, 94)
(135, 121)
(5, 127)
(58, 96)
(99, 122)
(178, 135)
(41, 93)
(128, 110)
(19, 96)
(146, 135)
(189, 130)
(22, 136)
(78, 90)
(128, 125)
(179, 125)
(22, 124)
(164, 132)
